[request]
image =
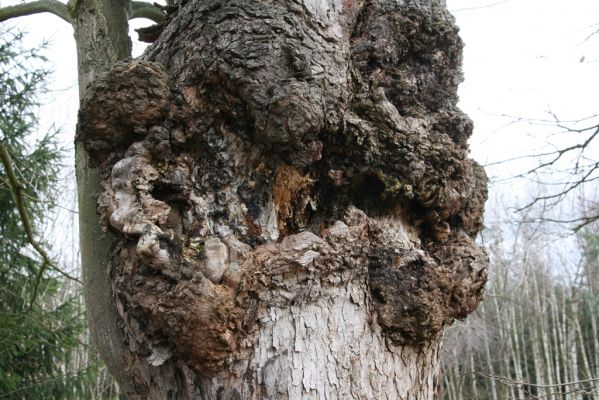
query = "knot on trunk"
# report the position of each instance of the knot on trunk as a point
(416, 294)
(120, 107)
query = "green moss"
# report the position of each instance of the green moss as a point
(394, 186)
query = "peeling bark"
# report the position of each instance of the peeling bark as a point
(296, 209)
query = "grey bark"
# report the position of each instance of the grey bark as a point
(102, 39)
(291, 199)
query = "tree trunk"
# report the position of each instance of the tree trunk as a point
(294, 208)
(102, 38)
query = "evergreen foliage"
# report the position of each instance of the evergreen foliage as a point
(40, 348)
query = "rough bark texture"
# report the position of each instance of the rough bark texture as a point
(290, 184)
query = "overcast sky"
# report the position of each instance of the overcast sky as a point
(523, 58)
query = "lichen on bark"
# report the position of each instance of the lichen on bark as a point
(267, 158)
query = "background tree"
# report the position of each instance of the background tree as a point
(566, 169)
(542, 269)
(102, 38)
(290, 196)
(41, 323)
(535, 334)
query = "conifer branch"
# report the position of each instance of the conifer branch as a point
(16, 191)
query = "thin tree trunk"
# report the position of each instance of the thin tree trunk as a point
(556, 340)
(450, 385)
(543, 317)
(513, 331)
(536, 339)
(524, 339)
(102, 38)
(505, 346)
(571, 339)
(584, 349)
(594, 339)
(473, 378)
(491, 368)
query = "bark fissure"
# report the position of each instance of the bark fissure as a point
(290, 184)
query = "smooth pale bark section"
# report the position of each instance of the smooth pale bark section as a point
(102, 37)
(330, 350)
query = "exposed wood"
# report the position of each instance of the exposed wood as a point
(290, 187)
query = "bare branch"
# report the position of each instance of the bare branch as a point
(575, 163)
(558, 153)
(515, 383)
(580, 222)
(592, 33)
(141, 9)
(35, 7)
(585, 178)
(543, 121)
(479, 7)
(15, 188)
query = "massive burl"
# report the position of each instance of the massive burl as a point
(290, 185)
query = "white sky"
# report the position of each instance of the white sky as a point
(522, 58)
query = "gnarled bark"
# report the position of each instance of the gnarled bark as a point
(294, 203)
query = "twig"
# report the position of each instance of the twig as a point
(35, 7)
(512, 382)
(479, 7)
